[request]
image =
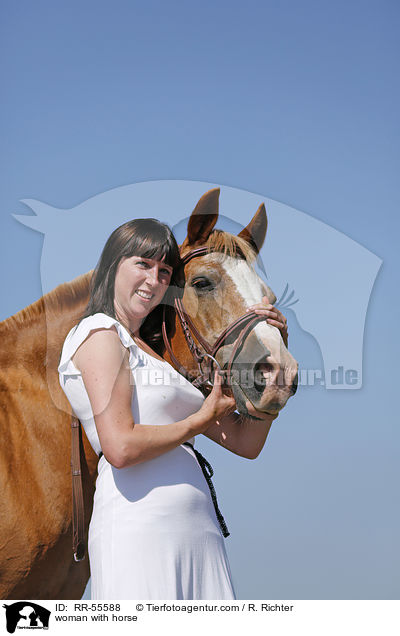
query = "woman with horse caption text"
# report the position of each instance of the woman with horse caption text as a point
(156, 530)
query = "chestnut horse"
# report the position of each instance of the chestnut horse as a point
(36, 559)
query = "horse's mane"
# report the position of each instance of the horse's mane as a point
(231, 245)
(60, 300)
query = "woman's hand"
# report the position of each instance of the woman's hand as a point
(273, 316)
(218, 404)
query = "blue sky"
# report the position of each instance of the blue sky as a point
(297, 102)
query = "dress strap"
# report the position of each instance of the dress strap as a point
(208, 473)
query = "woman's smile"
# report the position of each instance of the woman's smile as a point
(145, 295)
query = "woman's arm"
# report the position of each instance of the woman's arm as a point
(242, 435)
(104, 365)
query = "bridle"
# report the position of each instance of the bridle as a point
(244, 324)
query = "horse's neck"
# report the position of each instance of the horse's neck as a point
(36, 334)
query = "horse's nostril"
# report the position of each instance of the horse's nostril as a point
(262, 373)
(295, 383)
(269, 374)
(264, 367)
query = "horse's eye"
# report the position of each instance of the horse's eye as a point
(202, 284)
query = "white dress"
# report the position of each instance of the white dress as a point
(154, 533)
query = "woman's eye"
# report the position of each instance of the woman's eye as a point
(202, 284)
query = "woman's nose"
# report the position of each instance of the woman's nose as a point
(152, 275)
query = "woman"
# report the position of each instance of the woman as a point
(154, 532)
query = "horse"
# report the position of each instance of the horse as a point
(36, 511)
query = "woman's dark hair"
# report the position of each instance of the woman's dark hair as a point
(148, 238)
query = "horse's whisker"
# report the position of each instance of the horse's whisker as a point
(281, 300)
(290, 304)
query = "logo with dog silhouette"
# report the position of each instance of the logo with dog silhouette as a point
(26, 615)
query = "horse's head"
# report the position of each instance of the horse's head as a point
(220, 286)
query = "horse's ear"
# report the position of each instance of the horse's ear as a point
(254, 233)
(203, 218)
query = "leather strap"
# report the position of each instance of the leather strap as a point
(244, 324)
(78, 509)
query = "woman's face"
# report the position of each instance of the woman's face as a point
(140, 285)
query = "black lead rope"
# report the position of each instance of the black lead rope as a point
(208, 473)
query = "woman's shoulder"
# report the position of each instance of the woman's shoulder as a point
(80, 333)
(100, 321)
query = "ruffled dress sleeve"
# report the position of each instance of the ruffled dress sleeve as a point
(70, 377)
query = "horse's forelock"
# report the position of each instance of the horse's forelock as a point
(231, 245)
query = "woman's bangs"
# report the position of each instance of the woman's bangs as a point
(158, 250)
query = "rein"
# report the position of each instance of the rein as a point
(244, 324)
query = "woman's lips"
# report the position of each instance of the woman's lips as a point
(146, 296)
